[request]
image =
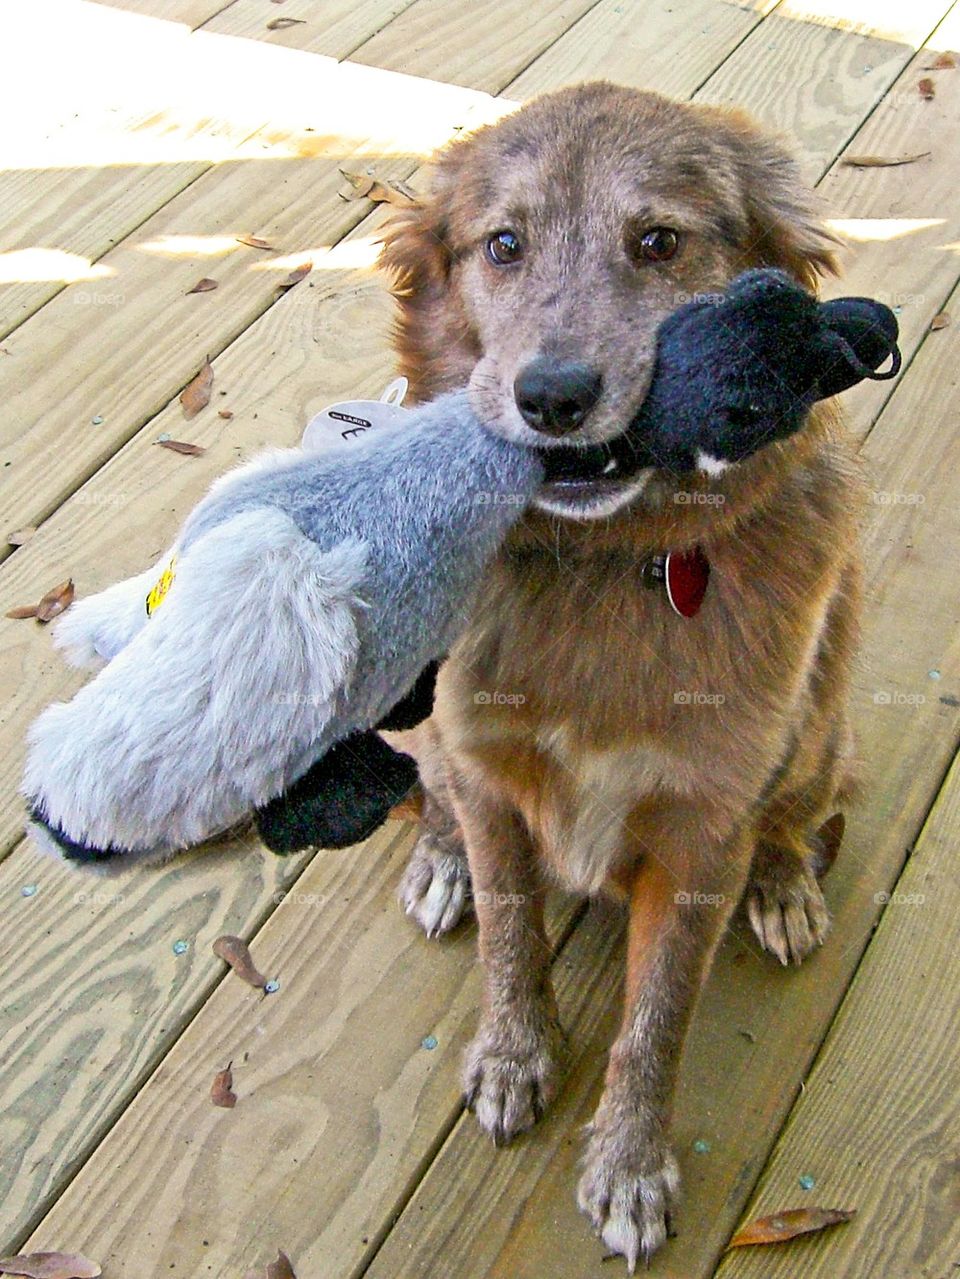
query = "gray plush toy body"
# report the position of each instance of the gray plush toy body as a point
(307, 594)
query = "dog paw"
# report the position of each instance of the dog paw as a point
(508, 1086)
(628, 1189)
(435, 887)
(785, 905)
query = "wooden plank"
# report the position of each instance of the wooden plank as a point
(192, 12)
(661, 45)
(97, 156)
(468, 43)
(339, 1102)
(87, 1016)
(94, 155)
(758, 1027)
(903, 222)
(872, 1122)
(114, 361)
(333, 27)
(816, 81)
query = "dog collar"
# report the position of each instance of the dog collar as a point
(683, 574)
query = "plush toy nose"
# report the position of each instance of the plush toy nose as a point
(555, 397)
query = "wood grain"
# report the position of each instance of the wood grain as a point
(93, 993)
(117, 360)
(92, 156)
(875, 1120)
(483, 45)
(340, 1098)
(670, 47)
(904, 223)
(332, 27)
(192, 12)
(815, 82)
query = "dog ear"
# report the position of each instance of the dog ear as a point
(784, 228)
(433, 338)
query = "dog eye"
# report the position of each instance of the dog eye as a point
(504, 248)
(653, 244)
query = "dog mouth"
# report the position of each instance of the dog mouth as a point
(592, 468)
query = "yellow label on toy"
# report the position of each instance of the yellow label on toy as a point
(159, 592)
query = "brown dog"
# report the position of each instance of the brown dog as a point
(584, 732)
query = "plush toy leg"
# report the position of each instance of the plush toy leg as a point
(416, 705)
(99, 627)
(341, 800)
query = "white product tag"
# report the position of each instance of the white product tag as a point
(351, 421)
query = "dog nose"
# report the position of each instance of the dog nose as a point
(554, 397)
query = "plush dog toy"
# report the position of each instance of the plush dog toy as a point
(306, 595)
(309, 598)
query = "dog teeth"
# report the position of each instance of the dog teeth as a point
(612, 466)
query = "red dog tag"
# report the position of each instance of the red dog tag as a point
(686, 574)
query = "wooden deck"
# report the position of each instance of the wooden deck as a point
(142, 137)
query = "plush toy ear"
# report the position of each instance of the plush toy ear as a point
(784, 228)
(431, 328)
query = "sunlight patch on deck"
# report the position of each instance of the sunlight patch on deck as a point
(230, 98)
(33, 265)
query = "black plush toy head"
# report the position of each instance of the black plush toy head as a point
(740, 369)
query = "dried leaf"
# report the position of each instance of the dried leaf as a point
(50, 1265)
(206, 285)
(281, 24)
(927, 89)
(221, 1090)
(226, 414)
(295, 276)
(196, 395)
(781, 1226)
(181, 446)
(881, 161)
(21, 535)
(281, 1268)
(357, 185)
(235, 952)
(253, 241)
(23, 612)
(942, 62)
(940, 321)
(363, 186)
(56, 601)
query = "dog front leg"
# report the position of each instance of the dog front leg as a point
(630, 1178)
(511, 1067)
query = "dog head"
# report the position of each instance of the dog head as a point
(551, 246)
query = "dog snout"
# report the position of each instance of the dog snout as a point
(554, 396)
